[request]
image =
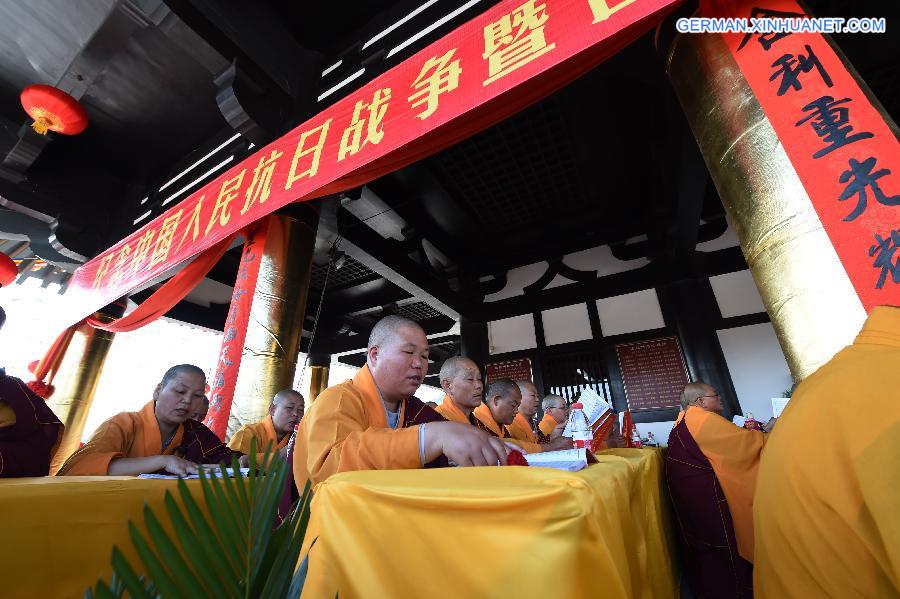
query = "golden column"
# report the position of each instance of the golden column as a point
(812, 304)
(77, 379)
(269, 358)
(318, 375)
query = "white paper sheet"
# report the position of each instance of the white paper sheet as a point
(217, 472)
(778, 405)
(571, 460)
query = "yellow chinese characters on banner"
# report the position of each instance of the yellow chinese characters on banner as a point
(302, 151)
(439, 75)
(261, 185)
(604, 9)
(229, 190)
(515, 40)
(352, 140)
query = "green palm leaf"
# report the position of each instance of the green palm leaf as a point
(235, 551)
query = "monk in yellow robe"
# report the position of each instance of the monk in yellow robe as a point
(711, 468)
(374, 422)
(29, 430)
(522, 426)
(826, 510)
(285, 412)
(160, 438)
(501, 404)
(556, 414)
(461, 381)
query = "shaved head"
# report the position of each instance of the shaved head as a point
(701, 395)
(284, 395)
(451, 367)
(553, 401)
(388, 328)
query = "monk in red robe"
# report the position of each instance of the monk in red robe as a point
(711, 468)
(29, 430)
(285, 412)
(501, 404)
(374, 422)
(461, 381)
(160, 438)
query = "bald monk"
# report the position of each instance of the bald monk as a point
(374, 422)
(501, 404)
(522, 427)
(158, 439)
(556, 415)
(285, 412)
(461, 381)
(199, 409)
(29, 430)
(711, 468)
(826, 510)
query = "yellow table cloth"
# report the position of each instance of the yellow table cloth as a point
(496, 532)
(58, 532)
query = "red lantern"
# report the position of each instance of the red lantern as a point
(53, 109)
(8, 270)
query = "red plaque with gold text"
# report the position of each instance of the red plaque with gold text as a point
(653, 373)
(517, 370)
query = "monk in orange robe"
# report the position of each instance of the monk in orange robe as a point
(556, 414)
(29, 430)
(374, 422)
(285, 412)
(826, 513)
(501, 404)
(522, 427)
(461, 381)
(711, 468)
(158, 439)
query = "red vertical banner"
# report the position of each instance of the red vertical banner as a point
(843, 149)
(222, 387)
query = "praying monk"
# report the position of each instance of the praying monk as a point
(826, 510)
(160, 438)
(499, 409)
(522, 427)
(29, 430)
(711, 468)
(460, 379)
(556, 415)
(285, 412)
(373, 422)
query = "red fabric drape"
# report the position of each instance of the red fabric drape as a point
(165, 298)
(628, 428)
(49, 364)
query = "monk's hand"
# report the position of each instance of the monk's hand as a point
(558, 430)
(464, 444)
(558, 444)
(179, 466)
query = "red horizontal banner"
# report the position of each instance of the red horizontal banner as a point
(488, 68)
(843, 150)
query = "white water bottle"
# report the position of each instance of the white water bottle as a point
(582, 436)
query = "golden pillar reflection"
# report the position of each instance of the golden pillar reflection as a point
(269, 358)
(812, 304)
(77, 379)
(318, 381)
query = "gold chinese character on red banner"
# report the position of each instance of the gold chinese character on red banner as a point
(302, 150)
(102, 270)
(439, 75)
(193, 226)
(227, 192)
(164, 239)
(141, 249)
(352, 140)
(602, 9)
(515, 40)
(119, 267)
(261, 185)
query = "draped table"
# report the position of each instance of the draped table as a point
(496, 532)
(58, 532)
